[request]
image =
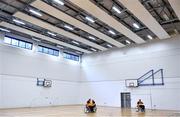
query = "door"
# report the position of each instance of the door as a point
(126, 100)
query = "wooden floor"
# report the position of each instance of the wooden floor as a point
(78, 111)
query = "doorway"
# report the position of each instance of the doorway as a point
(126, 100)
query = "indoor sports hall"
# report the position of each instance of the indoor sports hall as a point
(89, 58)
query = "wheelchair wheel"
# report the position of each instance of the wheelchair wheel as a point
(143, 109)
(86, 110)
(95, 109)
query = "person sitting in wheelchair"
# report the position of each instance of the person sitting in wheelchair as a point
(140, 106)
(91, 106)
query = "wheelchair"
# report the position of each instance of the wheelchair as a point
(141, 108)
(90, 110)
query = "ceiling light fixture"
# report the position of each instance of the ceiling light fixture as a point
(149, 36)
(128, 42)
(109, 45)
(90, 37)
(90, 19)
(59, 2)
(18, 21)
(93, 49)
(136, 25)
(68, 27)
(116, 9)
(5, 30)
(35, 12)
(50, 33)
(75, 42)
(112, 32)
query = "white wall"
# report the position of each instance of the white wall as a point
(1, 37)
(23, 92)
(19, 69)
(104, 74)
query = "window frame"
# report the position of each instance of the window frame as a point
(48, 52)
(71, 56)
(19, 40)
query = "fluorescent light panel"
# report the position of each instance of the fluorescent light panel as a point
(135, 25)
(149, 36)
(93, 49)
(50, 33)
(68, 27)
(116, 9)
(90, 19)
(109, 45)
(5, 30)
(93, 38)
(18, 21)
(35, 12)
(75, 42)
(112, 32)
(127, 41)
(59, 2)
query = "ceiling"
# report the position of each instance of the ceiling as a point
(87, 26)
